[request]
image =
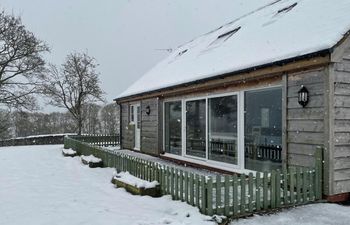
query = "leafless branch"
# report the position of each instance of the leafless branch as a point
(73, 85)
(21, 63)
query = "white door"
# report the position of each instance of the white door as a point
(137, 120)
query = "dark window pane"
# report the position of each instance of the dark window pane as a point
(223, 129)
(173, 127)
(196, 128)
(131, 113)
(263, 129)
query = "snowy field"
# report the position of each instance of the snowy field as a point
(39, 186)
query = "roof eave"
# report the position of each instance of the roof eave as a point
(322, 53)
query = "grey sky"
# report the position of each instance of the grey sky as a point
(123, 35)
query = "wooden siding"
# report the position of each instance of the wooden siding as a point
(305, 126)
(150, 127)
(341, 107)
(128, 131)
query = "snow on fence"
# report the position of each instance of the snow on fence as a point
(49, 139)
(99, 139)
(52, 139)
(235, 195)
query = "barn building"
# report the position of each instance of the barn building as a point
(255, 94)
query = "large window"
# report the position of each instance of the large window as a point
(222, 132)
(263, 129)
(172, 126)
(196, 128)
(238, 130)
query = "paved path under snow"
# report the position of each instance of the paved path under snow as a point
(316, 214)
(39, 186)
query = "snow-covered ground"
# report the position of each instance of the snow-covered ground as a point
(39, 186)
(316, 214)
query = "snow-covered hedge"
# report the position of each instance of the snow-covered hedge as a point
(49, 139)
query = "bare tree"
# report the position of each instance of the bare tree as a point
(91, 119)
(21, 63)
(73, 85)
(23, 123)
(5, 124)
(109, 117)
(34, 123)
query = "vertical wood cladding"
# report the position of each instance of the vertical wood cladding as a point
(305, 126)
(150, 130)
(341, 133)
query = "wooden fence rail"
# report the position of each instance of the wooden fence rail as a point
(235, 195)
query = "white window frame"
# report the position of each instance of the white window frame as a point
(184, 129)
(131, 114)
(240, 167)
(163, 121)
(240, 134)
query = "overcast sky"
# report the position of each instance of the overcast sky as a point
(123, 35)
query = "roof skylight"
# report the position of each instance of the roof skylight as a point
(287, 9)
(182, 52)
(223, 37)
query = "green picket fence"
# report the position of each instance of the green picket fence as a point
(235, 195)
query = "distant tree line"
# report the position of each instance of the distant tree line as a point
(97, 120)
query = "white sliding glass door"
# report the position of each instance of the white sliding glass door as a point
(196, 128)
(263, 129)
(240, 130)
(173, 127)
(223, 129)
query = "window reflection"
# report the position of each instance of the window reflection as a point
(263, 129)
(222, 132)
(196, 128)
(173, 127)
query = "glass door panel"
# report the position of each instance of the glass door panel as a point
(222, 130)
(172, 125)
(263, 129)
(196, 128)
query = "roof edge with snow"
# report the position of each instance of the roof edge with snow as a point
(274, 34)
(322, 53)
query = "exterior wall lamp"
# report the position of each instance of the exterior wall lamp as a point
(303, 96)
(148, 110)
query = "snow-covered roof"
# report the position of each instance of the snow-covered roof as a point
(280, 30)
